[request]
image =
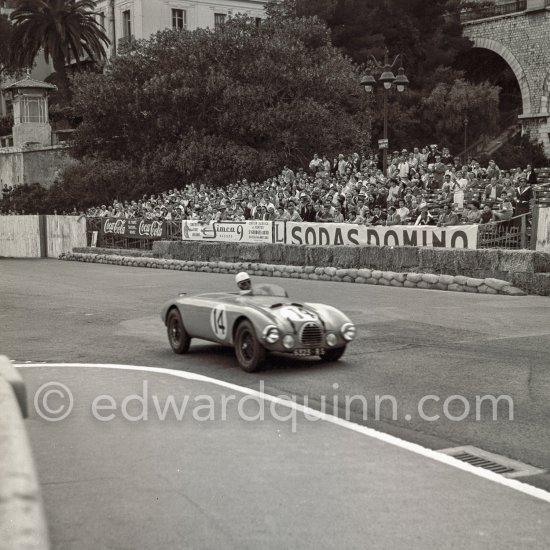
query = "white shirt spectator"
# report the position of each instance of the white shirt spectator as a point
(403, 213)
(403, 168)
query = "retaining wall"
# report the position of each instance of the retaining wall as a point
(40, 236)
(20, 237)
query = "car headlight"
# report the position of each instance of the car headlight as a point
(348, 331)
(332, 340)
(271, 334)
(288, 341)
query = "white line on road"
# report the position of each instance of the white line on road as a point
(370, 432)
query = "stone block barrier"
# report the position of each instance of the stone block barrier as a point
(331, 272)
(527, 270)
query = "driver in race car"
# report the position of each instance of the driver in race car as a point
(244, 283)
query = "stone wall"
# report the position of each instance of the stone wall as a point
(19, 166)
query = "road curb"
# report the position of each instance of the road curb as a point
(22, 518)
(423, 281)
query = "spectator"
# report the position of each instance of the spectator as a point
(531, 175)
(403, 212)
(473, 214)
(307, 211)
(447, 217)
(293, 215)
(393, 217)
(524, 196)
(315, 163)
(325, 215)
(486, 214)
(425, 218)
(338, 216)
(506, 211)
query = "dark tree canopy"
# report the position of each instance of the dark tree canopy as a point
(6, 29)
(419, 29)
(429, 35)
(219, 105)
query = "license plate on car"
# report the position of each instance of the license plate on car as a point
(308, 352)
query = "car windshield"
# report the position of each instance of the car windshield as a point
(269, 290)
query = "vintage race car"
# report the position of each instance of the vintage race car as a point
(264, 321)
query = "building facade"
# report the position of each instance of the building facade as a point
(127, 20)
(31, 154)
(40, 71)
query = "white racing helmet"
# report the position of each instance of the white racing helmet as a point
(242, 276)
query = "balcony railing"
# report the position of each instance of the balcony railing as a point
(494, 11)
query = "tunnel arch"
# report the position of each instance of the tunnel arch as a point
(506, 54)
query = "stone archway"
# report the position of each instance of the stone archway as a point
(506, 54)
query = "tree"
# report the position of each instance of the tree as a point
(427, 33)
(6, 63)
(65, 29)
(449, 104)
(218, 105)
(520, 151)
(422, 30)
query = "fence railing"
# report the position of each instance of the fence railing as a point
(513, 233)
(93, 225)
(493, 11)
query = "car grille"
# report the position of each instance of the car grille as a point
(311, 335)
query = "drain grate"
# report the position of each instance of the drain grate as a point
(492, 462)
(483, 463)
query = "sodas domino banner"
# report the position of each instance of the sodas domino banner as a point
(331, 234)
(341, 234)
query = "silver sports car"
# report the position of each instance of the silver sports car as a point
(264, 320)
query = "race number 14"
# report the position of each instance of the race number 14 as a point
(218, 322)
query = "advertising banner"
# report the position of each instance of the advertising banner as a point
(542, 220)
(463, 236)
(139, 228)
(250, 231)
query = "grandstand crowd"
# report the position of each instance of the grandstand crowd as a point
(424, 186)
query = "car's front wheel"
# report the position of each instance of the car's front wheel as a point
(249, 351)
(177, 335)
(333, 354)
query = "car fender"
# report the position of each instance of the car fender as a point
(331, 316)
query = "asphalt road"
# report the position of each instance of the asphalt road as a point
(411, 344)
(134, 473)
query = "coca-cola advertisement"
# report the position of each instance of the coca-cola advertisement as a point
(139, 228)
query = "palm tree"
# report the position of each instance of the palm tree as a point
(64, 29)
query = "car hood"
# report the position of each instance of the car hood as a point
(290, 315)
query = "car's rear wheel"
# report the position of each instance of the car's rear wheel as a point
(177, 335)
(333, 354)
(249, 351)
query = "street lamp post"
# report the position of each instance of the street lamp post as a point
(388, 79)
(466, 120)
